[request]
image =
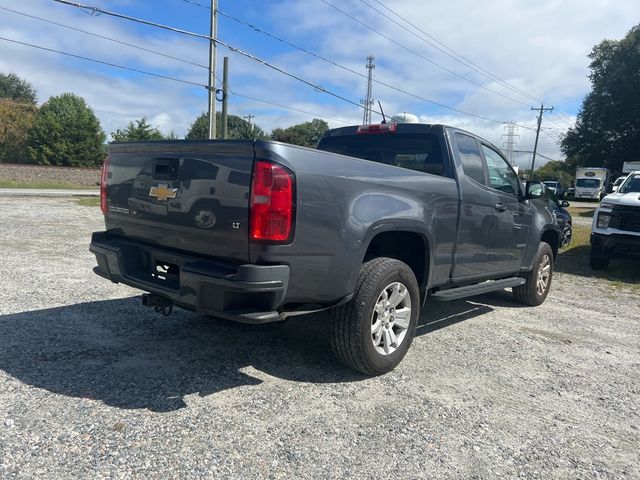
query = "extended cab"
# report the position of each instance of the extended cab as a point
(615, 231)
(370, 225)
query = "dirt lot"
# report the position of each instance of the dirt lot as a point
(93, 385)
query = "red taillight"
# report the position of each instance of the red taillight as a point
(377, 128)
(271, 207)
(103, 186)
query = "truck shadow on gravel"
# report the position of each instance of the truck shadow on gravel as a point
(117, 352)
(576, 262)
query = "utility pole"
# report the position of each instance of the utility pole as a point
(541, 109)
(368, 101)
(511, 141)
(212, 69)
(225, 95)
(248, 119)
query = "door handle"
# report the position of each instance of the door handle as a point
(501, 207)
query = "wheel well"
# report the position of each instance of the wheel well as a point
(408, 247)
(553, 239)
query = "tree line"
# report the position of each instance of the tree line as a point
(607, 130)
(65, 131)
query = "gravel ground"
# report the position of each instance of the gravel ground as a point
(94, 386)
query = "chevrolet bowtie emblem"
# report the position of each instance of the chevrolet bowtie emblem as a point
(163, 192)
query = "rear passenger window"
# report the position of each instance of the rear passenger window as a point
(470, 157)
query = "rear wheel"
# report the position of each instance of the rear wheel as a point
(537, 281)
(372, 333)
(597, 260)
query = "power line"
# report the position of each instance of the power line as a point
(318, 88)
(418, 54)
(454, 55)
(104, 37)
(165, 77)
(462, 59)
(288, 108)
(350, 70)
(122, 67)
(538, 154)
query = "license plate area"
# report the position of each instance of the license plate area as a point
(165, 273)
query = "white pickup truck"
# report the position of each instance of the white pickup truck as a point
(615, 231)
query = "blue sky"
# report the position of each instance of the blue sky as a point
(538, 47)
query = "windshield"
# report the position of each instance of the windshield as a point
(632, 184)
(619, 181)
(551, 184)
(588, 183)
(416, 152)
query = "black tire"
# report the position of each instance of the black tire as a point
(529, 294)
(352, 339)
(598, 261)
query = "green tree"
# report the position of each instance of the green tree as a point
(16, 89)
(66, 132)
(137, 131)
(171, 136)
(237, 128)
(555, 170)
(16, 119)
(607, 131)
(305, 134)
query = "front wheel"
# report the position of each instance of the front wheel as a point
(372, 333)
(538, 280)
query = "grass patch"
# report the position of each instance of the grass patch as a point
(580, 238)
(586, 212)
(45, 185)
(88, 201)
(574, 259)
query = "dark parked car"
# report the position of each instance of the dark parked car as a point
(558, 209)
(556, 187)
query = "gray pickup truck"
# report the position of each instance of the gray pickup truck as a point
(376, 221)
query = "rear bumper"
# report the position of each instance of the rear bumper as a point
(246, 293)
(616, 245)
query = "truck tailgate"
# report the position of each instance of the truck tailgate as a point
(191, 196)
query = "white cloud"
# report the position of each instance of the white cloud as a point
(540, 48)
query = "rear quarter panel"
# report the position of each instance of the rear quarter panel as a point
(342, 203)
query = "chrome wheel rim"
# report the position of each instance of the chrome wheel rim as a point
(391, 318)
(566, 235)
(544, 275)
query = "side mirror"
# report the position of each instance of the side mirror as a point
(533, 190)
(565, 204)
